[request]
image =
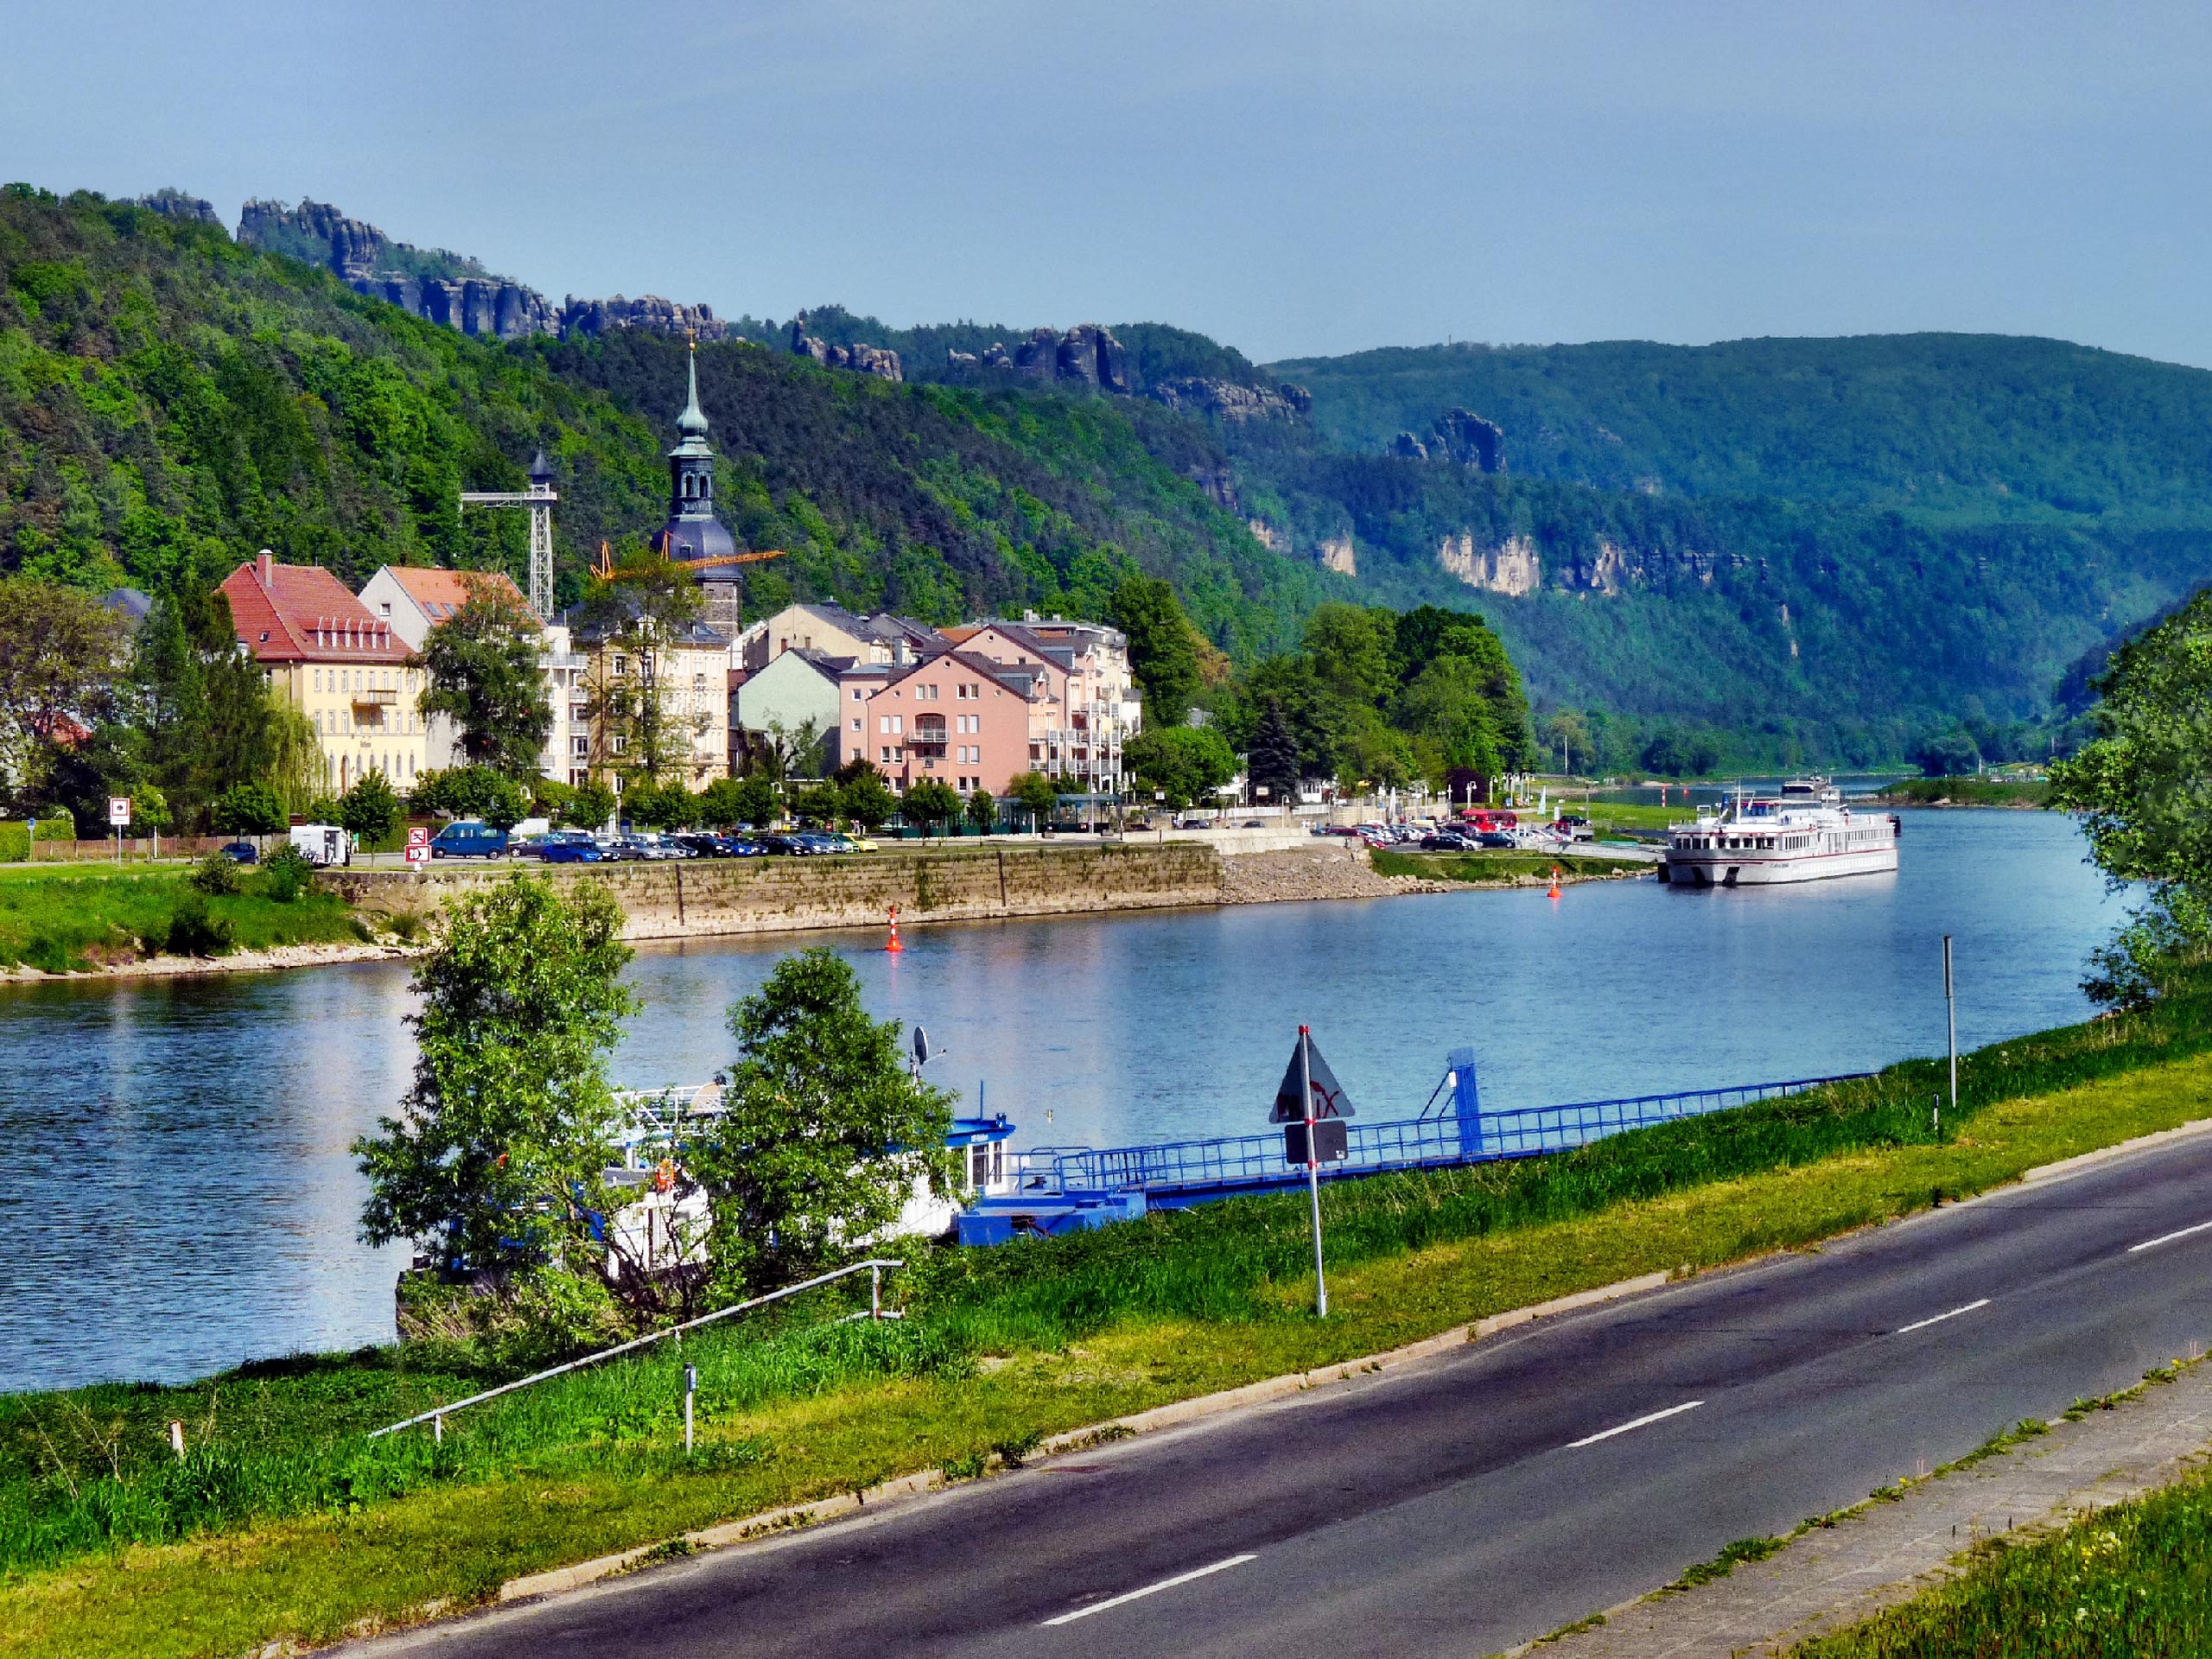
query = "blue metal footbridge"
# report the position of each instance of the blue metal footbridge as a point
(1052, 1190)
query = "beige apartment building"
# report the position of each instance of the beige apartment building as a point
(338, 664)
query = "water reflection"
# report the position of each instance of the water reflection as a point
(175, 1188)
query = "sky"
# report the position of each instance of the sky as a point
(1294, 178)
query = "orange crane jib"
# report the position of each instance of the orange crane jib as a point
(607, 570)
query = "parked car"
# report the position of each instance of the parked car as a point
(787, 845)
(570, 852)
(1445, 841)
(239, 852)
(1500, 839)
(1194, 823)
(743, 847)
(468, 840)
(1253, 824)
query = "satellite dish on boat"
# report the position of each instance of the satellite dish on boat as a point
(921, 1047)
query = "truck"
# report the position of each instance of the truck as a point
(322, 844)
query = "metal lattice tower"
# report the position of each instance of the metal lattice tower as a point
(539, 498)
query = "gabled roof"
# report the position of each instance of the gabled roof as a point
(589, 629)
(438, 594)
(1014, 680)
(302, 613)
(1060, 656)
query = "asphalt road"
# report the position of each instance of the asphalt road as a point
(1471, 1503)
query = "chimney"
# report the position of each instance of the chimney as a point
(264, 565)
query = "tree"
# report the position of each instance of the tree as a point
(664, 806)
(928, 804)
(822, 803)
(1184, 763)
(591, 806)
(249, 810)
(1274, 760)
(982, 811)
(370, 810)
(782, 753)
(1947, 754)
(824, 1131)
(497, 1155)
(1566, 739)
(1354, 650)
(552, 799)
(653, 602)
(1163, 647)
(2144, 789)
(150, 810)
(482, 665)
(1449, 703)
(472, 792)
(61, 652)
(1036, 795)
(868, 800)
(759, 802)
(721, 803)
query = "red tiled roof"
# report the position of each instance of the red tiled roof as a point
(301, 612)
(440, 593)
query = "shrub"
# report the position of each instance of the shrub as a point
(194, 930)
(214, 875)
(287, 874)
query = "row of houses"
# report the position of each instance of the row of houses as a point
(971, 706)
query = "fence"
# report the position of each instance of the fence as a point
(1181, 1167)
(438, 1415)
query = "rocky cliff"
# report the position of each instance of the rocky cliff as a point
(1228, 401)
(440, 285)
(1086, 355)
(176, 204)
(1457, 435)
(869, 359)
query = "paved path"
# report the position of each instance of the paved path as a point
(1471, 1503)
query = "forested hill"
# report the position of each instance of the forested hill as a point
(1974, 426)
(170, 401)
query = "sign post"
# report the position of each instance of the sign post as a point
(1950, 1021)
(418, 846)
(1312, 1106)
(118, 815)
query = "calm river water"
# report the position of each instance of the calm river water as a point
(176, 1196)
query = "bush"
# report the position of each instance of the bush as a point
(214, 875)
(287, 874)
(194, 930)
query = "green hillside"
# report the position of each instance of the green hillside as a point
(170, 401)
(1971, 425)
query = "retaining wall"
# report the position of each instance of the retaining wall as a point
(694, 897)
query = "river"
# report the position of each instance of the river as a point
(176, 1196)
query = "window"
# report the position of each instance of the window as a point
(857, 694)
(619, 742)
(582, 747)
(887, 754)
(622, 666)
(857, 722)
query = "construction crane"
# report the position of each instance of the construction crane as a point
(607, 570)
(539, 498)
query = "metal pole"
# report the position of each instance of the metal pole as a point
(1951, 1020)
(1313, 1174)
(691, 1388)
(875, 1293)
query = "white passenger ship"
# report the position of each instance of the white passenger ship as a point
(1806, 834)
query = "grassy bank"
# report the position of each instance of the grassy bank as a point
(60, 917)
(2134, 1579)
(283, 1521)
(1499, 866)
(1966, 792)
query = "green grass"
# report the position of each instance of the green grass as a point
(1499, 866)
(2136, 1579)
(283, 1522)
(75, 917)
(1968, 792)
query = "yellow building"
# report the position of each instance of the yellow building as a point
(330, 658)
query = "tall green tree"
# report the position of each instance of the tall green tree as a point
(1163, 647)
(868, 800)
(1036, 795)
(61, 653)
(929, 804)
(824, 1133)
(2144, 789)
(652, 604)
(1187, 764)
(1354, 651)
(1273, 762)
(370, 809)
(482, 666)
(498, 1150)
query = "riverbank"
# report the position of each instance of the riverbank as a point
(59, 920)
(283, 1524)
(1964, 791)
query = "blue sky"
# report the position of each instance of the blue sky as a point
(1294, 178)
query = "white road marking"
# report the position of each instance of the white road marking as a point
(1922, 1325)
(2168, 1238)
(1149, 1589)
(1622, 1428)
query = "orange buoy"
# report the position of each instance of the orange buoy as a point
(1554, 892)
(894, 946)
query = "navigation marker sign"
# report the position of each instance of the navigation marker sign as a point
(1328, 1096)
(419, 844)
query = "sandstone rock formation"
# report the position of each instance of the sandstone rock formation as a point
(592, 318)
(1086, 355)
(1232, 401)
(1337, 554)
(869, 359)
(1512, 569)
(172, 203)
(1276, 541)
(1407, 446)
(1457, 435)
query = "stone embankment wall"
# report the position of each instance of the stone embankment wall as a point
(698, 897)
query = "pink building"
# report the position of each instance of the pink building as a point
(957, 717)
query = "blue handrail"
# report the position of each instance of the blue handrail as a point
(1174, 1168)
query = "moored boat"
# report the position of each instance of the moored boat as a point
(1805, 833)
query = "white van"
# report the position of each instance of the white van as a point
(322, 843)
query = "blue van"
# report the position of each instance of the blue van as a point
(468, 841)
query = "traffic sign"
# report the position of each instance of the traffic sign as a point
(118, 810)
(419, 844)
(1331, 1142)
(1329, 1099)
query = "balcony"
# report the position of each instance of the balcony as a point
(375, 699)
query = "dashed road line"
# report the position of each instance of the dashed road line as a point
(1641, 1422)
(1127, 1596)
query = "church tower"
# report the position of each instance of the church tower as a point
(692, 531)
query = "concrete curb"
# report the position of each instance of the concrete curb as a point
(2066, 1167)
(1174, 1415)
